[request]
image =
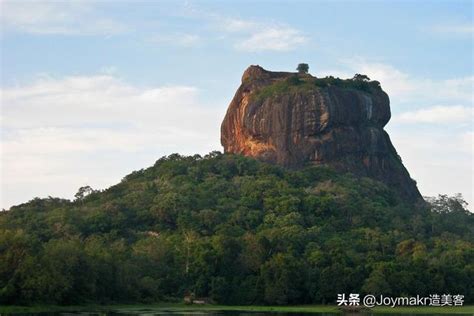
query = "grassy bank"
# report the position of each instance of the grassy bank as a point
(173, 307)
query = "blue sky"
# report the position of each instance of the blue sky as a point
(92, 90)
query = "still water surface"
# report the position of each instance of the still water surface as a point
(151, 312)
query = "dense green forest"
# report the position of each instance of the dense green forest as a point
(237, 231)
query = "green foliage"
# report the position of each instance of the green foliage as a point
(83, 192)
(301, 83)
(361, 77)
(237, 231)
(303, 68)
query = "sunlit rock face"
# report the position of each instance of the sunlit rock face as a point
(288, 119)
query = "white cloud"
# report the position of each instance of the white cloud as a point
(393, 80)
(238, 25)
(252, 36)
(467, 142)
(61, 133)
(78, 100)
(404, 87)
(56, 17)
(439, 160)
(249, 35)
(438, 115)
(273, 38)
(459, 29)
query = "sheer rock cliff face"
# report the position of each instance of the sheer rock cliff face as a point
(335, 125)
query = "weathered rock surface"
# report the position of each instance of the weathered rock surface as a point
(274, 119)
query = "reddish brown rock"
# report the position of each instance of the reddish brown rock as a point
(295, 119)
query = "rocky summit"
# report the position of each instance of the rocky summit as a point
(295, 119)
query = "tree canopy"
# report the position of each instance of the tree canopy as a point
(237, 231)
(303, 68)
(361, 77)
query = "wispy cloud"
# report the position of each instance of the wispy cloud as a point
(236, 24)
(176, 39)
(406, 87)
(459, 29)
(440, 161)
(61, 133)
(437, 115)
(55, 17)
(249, 35)
(272, 38)
(252, 36)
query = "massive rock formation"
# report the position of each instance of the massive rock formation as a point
(295, 119)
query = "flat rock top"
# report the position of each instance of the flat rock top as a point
(295, 119)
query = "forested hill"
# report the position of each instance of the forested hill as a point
(237, 231)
